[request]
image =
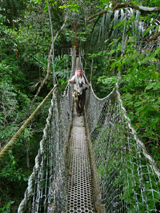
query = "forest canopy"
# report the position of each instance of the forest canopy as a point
(118, 41)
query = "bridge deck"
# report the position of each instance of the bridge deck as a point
(80, 198)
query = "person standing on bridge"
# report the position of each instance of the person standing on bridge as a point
(79, 82)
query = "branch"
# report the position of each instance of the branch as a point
(137, 7)
(97, 14)
(126, 5)
(18, 133)
(154, 37)
(49, 60)
(52, 40)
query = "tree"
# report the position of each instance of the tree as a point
(127, 41)
(118, 38)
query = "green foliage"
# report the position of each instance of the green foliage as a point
(139, 82)
(138, 64)
(72, 7)
(118, 159)
(61, 69)
(17, 70)
(25, 40)
(109, 82)
(140, 86)
(6, 208)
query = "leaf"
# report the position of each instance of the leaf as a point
(148, 29)
(150, 86)
(127, 96)
(157, 51)
(154, 73)
(73, 7)
(131, 39)
(145, 110)
(158, 102)
(156, 86)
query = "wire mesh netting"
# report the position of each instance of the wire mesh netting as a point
(46, 190)
(80, 197)
(47, 184)
(128, 176)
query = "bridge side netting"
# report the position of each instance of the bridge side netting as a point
(46, 190)
(128, 176)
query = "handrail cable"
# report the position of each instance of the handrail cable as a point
(125, 177)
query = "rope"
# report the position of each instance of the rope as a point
(91, 71)
(46, 191)
(129, 177)
(18, 133)
(38, 162)
(151, 160)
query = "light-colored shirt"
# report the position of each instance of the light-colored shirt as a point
(76, 80)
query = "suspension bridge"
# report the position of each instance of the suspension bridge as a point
(93, 163)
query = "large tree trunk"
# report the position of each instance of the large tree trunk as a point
(75, 45)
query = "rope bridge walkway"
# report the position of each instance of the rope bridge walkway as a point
(80, 198)
(92, 163)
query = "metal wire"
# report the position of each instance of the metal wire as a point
(128, 175)
(80, 197)
(47, 185)
(46, 191)
(129, 178)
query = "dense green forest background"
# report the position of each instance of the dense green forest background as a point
(119, 44)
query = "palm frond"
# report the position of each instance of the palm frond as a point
(111, 28)
(40, 61)
(34, 84)
(60, 64)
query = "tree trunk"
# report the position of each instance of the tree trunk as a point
(75, 45)
(15, 46)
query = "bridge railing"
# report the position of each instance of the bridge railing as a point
(46, 191)
(128, 176)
